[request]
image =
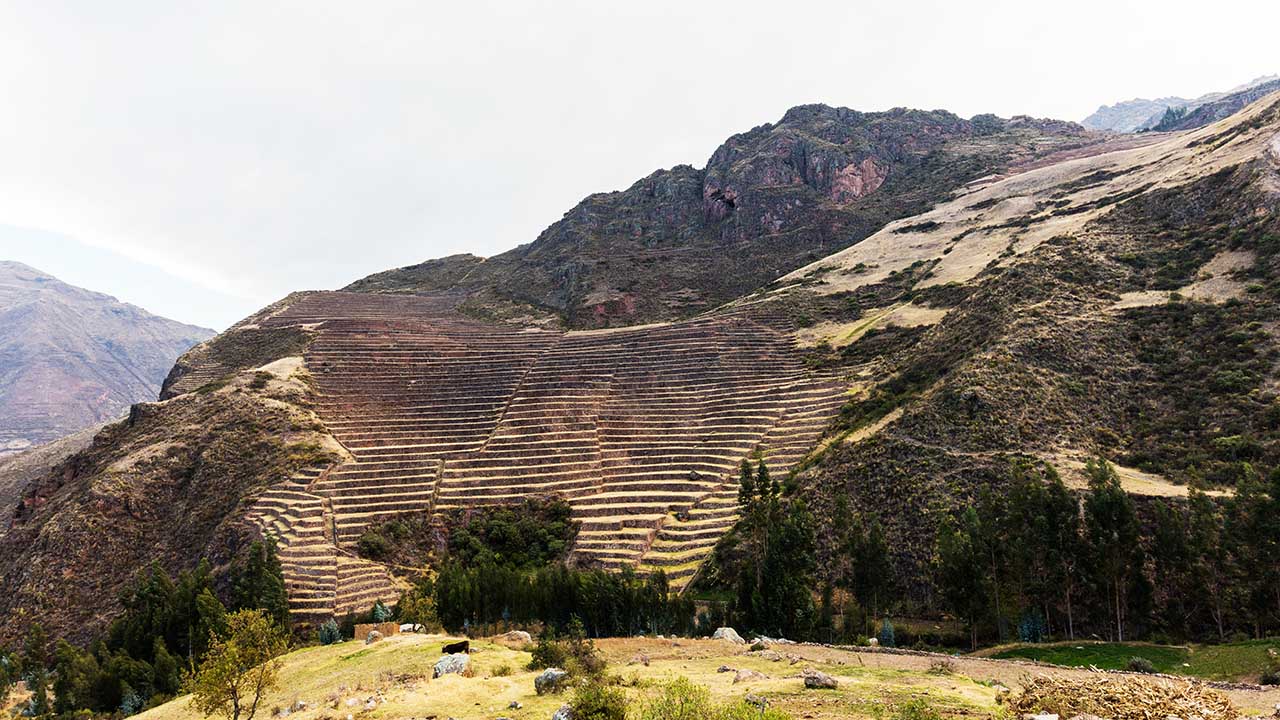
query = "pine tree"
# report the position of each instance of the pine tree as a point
(261, 583)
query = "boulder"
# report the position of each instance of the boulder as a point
(640, 659)
(564, 713)
(515, 705)
(457, 663)
(816, 680)
(728, 633)
(748, 676)
(724, 668)
(516, 636)
(873, 642)
(373, 637)
(552, 680)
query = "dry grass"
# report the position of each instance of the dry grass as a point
(1121, 698)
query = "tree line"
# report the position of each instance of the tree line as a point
(1043, 560)
(167, 631)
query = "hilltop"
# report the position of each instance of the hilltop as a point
(71, 358)
(768, 200)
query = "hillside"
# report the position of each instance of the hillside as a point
(71, 358)
(768, 200)
(1114, 299)
(1123, 305)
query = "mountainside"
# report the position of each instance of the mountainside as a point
(71, 358)
(1122, 305)
(1201, 114)
(1114, 299)
(1142, 114)
(769, 200)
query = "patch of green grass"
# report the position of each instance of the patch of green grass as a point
(1231, 661)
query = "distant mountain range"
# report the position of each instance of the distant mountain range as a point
(72, 358)
(1143, 114)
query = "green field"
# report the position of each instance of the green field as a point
(1231, 661)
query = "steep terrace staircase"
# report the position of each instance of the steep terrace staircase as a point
(640, 429)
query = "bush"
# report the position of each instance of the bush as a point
(574, 653)
(373, 545)
(597, 701)
(1140, 664)
(916, 710)
(681, 699)
(886, 635)
(328, 632)
(502, 670)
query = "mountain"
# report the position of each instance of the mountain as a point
(71, 358)
(769, 200)
(1063, 297)
(1142, 114)
(1201, 114)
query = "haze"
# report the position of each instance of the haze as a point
(245, 150)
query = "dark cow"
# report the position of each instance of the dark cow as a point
(463, 646)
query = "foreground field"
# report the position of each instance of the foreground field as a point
(392, 679)
(1241, 661)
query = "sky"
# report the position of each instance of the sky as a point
(204, 159)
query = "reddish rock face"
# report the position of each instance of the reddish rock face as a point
(858, 180)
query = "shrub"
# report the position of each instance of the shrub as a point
(373, 545)
(1140, 664)
(574, 653)
(886, 635)
(328, 632)
(916, 710)
(598, 701)
(679, 699)
(380, 613)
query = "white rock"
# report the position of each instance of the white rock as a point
(728, 633)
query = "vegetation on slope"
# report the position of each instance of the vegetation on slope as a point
(167, 485)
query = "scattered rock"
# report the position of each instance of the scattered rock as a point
(515, 705)
(748, 676)
(816, 680)
(793, 659)
(370, 704)
(724, 668)
(552, 680)
(728, 633)
(640, 659)
(373, 637)
(564, 713)
(516, 636)
(457, 663)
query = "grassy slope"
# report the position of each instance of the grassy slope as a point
(1232, 661)
(400, 668)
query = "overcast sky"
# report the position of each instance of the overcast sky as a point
(247, 149)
